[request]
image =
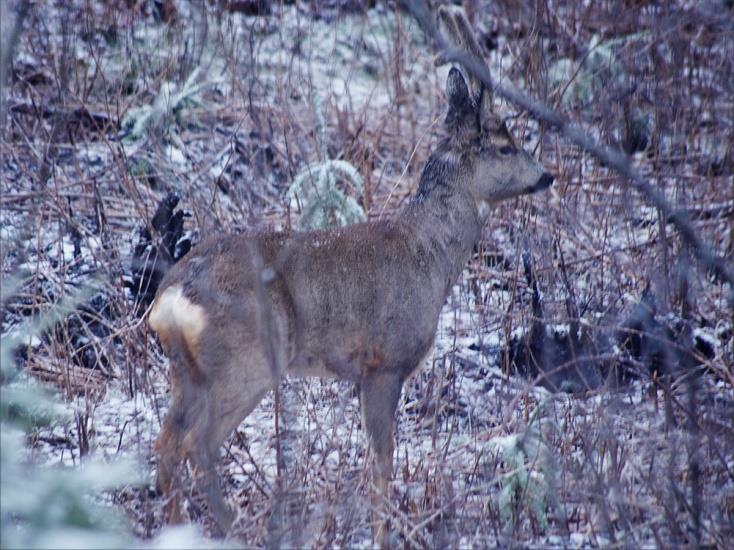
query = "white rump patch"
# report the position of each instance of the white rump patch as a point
(173, 311)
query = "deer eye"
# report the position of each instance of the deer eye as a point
(506, 150)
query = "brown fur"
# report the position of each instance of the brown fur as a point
(359, 303)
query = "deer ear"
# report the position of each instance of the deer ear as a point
(461, 111)
(456, 91)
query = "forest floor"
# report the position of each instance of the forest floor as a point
(624, 436)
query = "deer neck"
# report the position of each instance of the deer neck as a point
(449, 223)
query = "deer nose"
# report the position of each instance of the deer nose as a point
(545, 181)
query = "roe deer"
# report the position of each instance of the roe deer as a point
(359, 303)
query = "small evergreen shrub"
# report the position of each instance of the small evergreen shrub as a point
(316, 188)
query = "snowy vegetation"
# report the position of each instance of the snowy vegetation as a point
(316, 187)
(319, 114)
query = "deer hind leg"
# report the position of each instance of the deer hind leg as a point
(169, 450)
(169, 458)
(379, 395)
(232, 392)
(212, 392)
(201, 450)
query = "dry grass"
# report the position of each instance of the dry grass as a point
(651, 463)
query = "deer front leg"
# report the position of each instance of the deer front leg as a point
(379, 394)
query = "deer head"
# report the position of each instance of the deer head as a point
(493, 167)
